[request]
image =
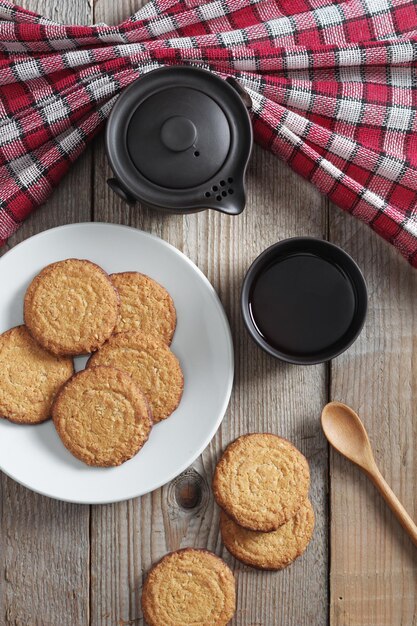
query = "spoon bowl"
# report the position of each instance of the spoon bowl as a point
(345, 431)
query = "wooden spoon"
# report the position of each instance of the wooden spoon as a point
(346, 433)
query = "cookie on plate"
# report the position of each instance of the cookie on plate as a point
(144, 305)
(30, 377)
(189, 587)
(261, 481)
(274, 550)
(102, 417)
(151, 364)
(71, 307)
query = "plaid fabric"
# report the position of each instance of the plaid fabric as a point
(333, 86)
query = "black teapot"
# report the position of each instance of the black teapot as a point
(179, 139)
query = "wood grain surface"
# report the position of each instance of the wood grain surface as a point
(68, 565)
(374, 564)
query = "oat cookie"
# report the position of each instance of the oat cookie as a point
(274, 550)
(30, 377)
(261, 481)
(187, 588)
(144, 305)
(102, 417)
(71, 307)
(151, 364)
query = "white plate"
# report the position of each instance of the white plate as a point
(34, 455)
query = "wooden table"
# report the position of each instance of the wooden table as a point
(71, 565)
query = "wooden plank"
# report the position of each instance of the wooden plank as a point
(374, 569)
(44, 559)
(44, 544)
(127, 538)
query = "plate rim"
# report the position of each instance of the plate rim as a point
(230, 346)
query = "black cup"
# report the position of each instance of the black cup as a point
(304, 300)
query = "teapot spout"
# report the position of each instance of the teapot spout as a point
(233, 204)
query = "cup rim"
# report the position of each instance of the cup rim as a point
(339, 257)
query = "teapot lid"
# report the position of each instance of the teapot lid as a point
(176, 130)
(178, 137)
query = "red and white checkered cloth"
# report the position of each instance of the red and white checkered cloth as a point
(333, 86)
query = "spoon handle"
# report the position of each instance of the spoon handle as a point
(394, 504)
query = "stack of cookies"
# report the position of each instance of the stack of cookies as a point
(126, 321)
(261, 483)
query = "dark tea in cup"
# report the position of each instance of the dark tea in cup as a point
(304, 300)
